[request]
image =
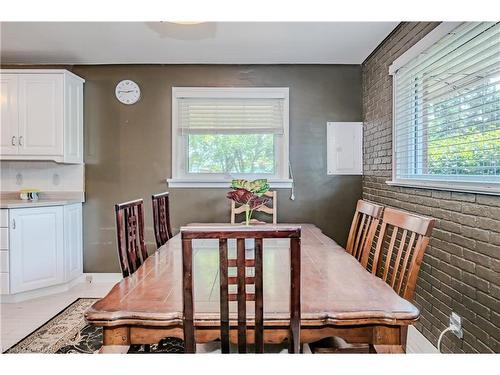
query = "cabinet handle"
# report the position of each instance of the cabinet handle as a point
(13, 223)
(13, 140)
(21, 140)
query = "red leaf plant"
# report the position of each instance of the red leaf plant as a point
(251, 200)
(243, 196)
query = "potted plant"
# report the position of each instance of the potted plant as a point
(250, 194)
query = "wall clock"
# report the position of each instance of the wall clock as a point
(128, 92)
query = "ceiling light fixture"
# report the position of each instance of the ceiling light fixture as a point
(185, 22)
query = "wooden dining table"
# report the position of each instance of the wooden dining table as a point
(338, 298)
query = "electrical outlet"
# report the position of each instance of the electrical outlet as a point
(456, 324)
(56, 179)
(19, 179)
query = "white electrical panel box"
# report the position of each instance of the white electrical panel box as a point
(344, 148)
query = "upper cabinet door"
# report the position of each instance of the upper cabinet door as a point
(9, 121)
(73, 118)
(41, 111)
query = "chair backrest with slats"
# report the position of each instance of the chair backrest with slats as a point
(402, 241)
(364, 225)
(273, 210)
(241, 263)
(161, 218)
(132, 250)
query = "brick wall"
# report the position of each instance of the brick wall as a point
(460, 271)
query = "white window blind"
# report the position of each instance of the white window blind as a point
(231, 115)
(447, 109)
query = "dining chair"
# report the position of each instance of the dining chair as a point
(401, 244)
(132, 250)
(161, 218)
(242, 296)
(273, 210)
(363, 227)
(402, 240)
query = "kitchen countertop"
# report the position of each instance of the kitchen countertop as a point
(19, 203)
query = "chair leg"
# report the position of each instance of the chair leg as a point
(290, 343)
(293, 346)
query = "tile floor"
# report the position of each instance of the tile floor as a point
(20, 319)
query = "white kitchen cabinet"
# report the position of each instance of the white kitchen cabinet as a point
(40, 247)
(41, 113)
(73, 262)
(4, 238)
(4, 283)
(4, 218)
(73, 116)
(42, 118)
(4, 261)
(9, 125)
(4, 252)
(36, 248)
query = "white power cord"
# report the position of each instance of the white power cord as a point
(449, 329)
(292, 194)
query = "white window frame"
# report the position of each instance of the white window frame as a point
(181, 179)
(463, 186)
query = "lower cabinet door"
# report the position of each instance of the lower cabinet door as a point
(73, 262)
(36, 248)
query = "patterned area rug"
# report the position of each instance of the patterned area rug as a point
(68, 332)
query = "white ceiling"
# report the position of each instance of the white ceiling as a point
(205, 43)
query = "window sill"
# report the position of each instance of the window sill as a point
(463, 187)
(225, 184)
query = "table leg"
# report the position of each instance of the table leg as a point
(404, 336)
(115, 340)
(388, 340)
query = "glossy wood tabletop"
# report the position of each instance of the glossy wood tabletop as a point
(336, 289)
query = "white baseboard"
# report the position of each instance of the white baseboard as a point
(417, 343)
(42, 292)
(102, 277)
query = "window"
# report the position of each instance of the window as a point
(223, 133)
(446, 110)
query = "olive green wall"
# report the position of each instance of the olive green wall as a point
(127, 148)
